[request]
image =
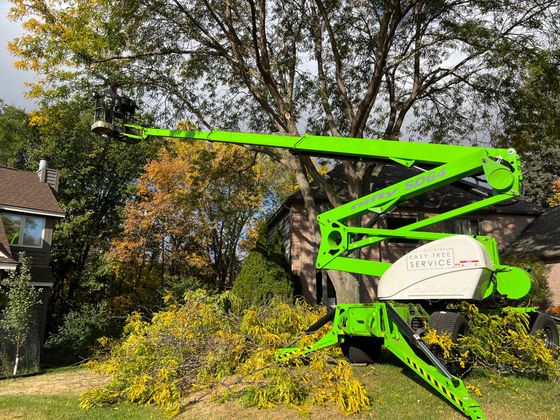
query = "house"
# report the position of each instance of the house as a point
(541, 241)
(28, 213)
(505, 223)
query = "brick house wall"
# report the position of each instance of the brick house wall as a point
(554, 281)
(302, 248)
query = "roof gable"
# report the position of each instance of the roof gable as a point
(24, 191)
(541, 239)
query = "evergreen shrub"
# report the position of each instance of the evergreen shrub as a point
(81, 329)
(265, 273)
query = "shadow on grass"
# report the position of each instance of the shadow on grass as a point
(386, 358)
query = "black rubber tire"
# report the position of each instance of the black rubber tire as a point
(451, 323)
(456, 326)
(545, 325)
(359, 349)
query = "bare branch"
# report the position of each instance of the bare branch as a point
(323, 90)
(320, 180)
(337, 60)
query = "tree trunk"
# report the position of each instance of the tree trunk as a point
(16, 362)
(346, 285)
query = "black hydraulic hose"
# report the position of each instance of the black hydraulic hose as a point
(320, 322)
(414, 339)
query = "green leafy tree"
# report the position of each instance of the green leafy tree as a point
(21, 299)
(531, 124)
(264, 272)
(339, 67)
(97, 177)
(18, 138)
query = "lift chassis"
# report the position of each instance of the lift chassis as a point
(449, 268)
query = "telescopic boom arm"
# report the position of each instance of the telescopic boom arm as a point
(448, 163)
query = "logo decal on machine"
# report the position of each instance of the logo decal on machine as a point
(432, 259)
(468, 263)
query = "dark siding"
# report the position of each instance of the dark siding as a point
(283, 226)
(38, 256)
(52, 178)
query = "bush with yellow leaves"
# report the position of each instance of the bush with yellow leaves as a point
(202, 347)
(499, 342)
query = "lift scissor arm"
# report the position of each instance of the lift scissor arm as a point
(341, 237)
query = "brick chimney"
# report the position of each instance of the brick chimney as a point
(48, 175)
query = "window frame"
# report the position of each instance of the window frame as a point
(472, 222)
(22, 227)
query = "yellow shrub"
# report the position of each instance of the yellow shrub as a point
(499, 342)
(204, 344)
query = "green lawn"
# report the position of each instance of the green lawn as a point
(395, 393)
(67, 406)
(55, 395)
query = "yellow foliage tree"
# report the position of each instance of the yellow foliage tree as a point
(554, 200)
(194, 204)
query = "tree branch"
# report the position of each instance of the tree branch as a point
(320, 180)
(349, 110)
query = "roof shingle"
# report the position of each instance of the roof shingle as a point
(541, 239)
(23, 189)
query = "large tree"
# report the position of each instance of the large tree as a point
(193, 207)
(340, 67)
(531, 123)
(18, 138)
(97, 177)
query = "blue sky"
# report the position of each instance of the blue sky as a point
(11, 80)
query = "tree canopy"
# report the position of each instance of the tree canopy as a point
(194, 206)
(531, 124)
(340, 67)
(97, 178)
(18, 138)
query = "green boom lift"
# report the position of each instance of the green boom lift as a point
(413, 291)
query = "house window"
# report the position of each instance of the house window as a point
(465, 227)
(399, 222)
(24, 230)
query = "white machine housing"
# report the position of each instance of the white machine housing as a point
(457, 267)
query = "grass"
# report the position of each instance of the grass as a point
(55, 395)
(67, 406)
(395, 392)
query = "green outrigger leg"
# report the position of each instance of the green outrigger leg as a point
(385, 320)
